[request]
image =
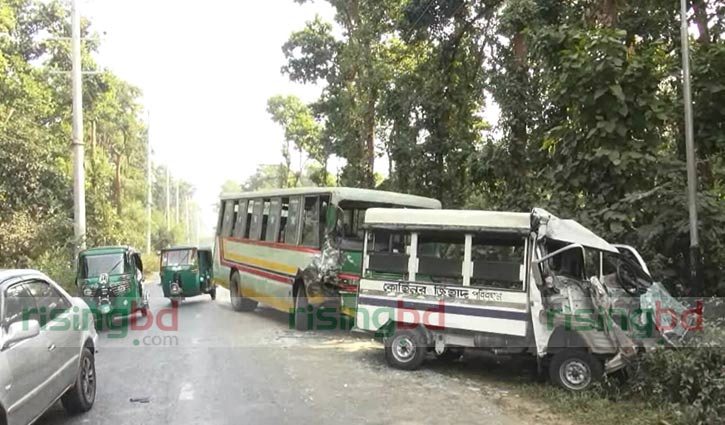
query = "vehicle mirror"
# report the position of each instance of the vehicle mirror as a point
(20, 331)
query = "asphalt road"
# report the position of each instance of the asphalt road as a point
(224, 367)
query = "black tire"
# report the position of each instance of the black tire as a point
(239, 301)
(80, 397)
(212, 293)
(450, 354)
(405, 349)
(575, 370)
(301, 310)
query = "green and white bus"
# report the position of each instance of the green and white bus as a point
(295, 248)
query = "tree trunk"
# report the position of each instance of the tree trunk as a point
(370, 140)
(117, 183)
(700, 9)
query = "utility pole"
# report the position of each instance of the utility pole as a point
(186, 219)
(176, 210)
(168, 199)
(695, 272)
(148, 185)
(79, 193)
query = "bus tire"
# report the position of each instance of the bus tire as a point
(575, 369)
(405, 349)
(239, 301)
(301, 308)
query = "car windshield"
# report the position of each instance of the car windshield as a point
(178, 258)
(95, 265)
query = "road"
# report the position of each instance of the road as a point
(226, 367)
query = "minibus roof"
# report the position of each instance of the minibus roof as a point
(339, 194)
(482, 221)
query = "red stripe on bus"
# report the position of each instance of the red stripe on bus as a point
(348, 276)
(258, 272)
(276, 245)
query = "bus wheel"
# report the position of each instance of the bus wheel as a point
(239, 301)
(405, 349)
(575, 370)
(302, 309)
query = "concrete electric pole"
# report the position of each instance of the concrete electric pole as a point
(690, 151)
(79, 193)
(149, 182)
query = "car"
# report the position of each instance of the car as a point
(47, 348)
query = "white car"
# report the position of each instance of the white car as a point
(47, 348)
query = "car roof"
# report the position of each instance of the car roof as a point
(345, 194)
(7, 274)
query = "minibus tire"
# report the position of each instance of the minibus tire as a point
(567, 366)
(402, 341)
(239, 301)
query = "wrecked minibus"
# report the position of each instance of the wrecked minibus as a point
(297, 249)
(510, 283)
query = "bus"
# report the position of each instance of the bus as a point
(297, 249)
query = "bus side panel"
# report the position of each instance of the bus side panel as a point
(221, 272)
(269, 292)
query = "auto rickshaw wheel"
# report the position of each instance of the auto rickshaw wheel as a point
(212, 293)
(174, 303)
(239, 301)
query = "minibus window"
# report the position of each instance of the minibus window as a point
(387, 257)
(497, 263)
(440, 257)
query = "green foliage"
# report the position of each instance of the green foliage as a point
(35, 158)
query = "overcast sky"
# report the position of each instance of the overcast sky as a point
(206, 69)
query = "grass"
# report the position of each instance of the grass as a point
(549, 404)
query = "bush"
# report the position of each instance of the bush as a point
(150, 263)
(689, 380)
(57, 264)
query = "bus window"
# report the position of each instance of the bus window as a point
(497, 263)
(265, 220)
(440, 257)
(311, 222)
(255, 233)
(283, 216)
(241, 223)
(292, 229)
(275, 209)
(228, 221)
(248, 227)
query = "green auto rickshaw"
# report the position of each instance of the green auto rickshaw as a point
(186, 272)
(110, 280)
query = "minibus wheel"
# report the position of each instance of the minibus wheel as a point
(405, 349)
(575, 369)
(301, 309)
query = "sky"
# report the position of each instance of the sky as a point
(206, 69)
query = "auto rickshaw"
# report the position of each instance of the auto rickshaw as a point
(110, 280)
(186, 272)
